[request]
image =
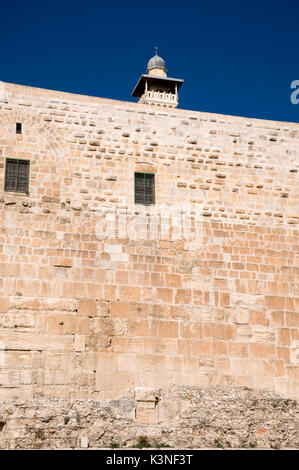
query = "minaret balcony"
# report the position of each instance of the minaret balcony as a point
(159, 98)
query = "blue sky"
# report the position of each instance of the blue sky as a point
(236, 57)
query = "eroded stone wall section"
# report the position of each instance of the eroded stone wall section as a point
(175, 417)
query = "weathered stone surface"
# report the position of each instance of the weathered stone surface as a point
(89, 308)
(180, 417)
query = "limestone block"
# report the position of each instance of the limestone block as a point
(123, 327)
(151, 362)
(26, 377)
(146, 394)
(160, 345)
(247, 301)
(110, 385)
(12, 359)
(197, 313)
(260, 350)
(261, 333)
(63, 262)
(17, 319)
(244, 333)
(222, 331)
(163, 329)
(107, 362)
(87, 307)
(237, 349)
(146, 412)
(32, 341)
(54, 360)
(45, 303)
(84, 442)
(129, 294)
(294, 352)
(251, 367)
(168, 410)
(191, 330)
(10, 379)
(292, 319)
(102, 308)
(241, 316)
(79, 343)
(61, 324)
(154, 379)
(4, 305)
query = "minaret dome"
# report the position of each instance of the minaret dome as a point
(156, 66)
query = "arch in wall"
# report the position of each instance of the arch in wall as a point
(45, 131)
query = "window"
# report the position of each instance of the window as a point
(18, 128)
(144, 188)
(17, 175)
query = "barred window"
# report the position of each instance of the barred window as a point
(144, 188)
(17, 175)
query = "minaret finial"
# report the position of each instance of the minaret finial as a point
(156, 50)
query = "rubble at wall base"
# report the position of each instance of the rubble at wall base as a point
(177, 417)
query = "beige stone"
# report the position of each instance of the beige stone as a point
(93, 304)
(87, 307)
(4, 305)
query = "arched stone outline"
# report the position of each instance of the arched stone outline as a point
(45, 130)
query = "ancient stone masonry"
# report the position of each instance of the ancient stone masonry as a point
(185, 417)
(99, 295)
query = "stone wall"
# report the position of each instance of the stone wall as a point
(86, 312)
(177, 417)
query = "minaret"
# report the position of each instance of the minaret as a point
(155, 87)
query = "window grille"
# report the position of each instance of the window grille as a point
(144, 188)
(17, 175)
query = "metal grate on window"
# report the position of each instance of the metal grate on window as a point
(17, 175)
(144, 188)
